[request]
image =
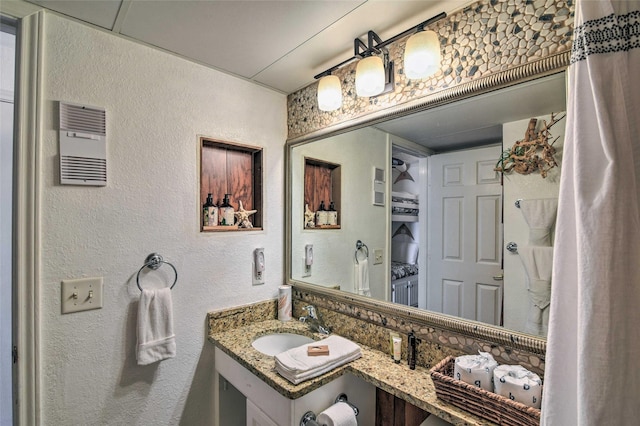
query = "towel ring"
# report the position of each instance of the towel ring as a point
(154, 261)
(359, 246)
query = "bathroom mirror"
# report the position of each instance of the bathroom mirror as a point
(409, 146)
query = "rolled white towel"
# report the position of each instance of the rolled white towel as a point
(518, 384)
(476, 370)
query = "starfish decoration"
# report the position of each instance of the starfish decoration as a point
(242, 216)
(308, 217)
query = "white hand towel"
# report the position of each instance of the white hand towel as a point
(156, 340)
(296, 366)
(362, 277)
(540, 215)
(538, 265)
(476, 370)
(339, 414)
(518, 384)
(296, 378)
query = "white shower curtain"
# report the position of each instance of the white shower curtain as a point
(592, 374)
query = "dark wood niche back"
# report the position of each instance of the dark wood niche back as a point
(322, 183)
(230, 168)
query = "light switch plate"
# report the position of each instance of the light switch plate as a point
(377, 256)
(81, 295)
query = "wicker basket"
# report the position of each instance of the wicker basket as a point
(478, 401)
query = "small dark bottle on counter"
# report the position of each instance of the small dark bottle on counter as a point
(411, 351)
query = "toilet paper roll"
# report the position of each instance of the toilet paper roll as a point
(518, 384)
(477, 370)
(284, 303)
(339, 414)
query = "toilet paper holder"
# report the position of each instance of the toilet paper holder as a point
(309, 418)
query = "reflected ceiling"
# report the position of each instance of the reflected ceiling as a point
(478, 120)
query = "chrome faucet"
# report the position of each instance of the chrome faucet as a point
(314, 320)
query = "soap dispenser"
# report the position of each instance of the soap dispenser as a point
(227, 216)
(411, 351)
(321, 215)
(332, 214)
(209, 212)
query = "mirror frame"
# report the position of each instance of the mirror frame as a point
(549, 65)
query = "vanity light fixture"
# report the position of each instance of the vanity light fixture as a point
(329, 93)
(422, 54)
(370, 76)
(375, 72)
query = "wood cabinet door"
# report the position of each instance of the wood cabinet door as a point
(393, 411)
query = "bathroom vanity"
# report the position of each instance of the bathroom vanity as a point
(265, 406)
(271, 398)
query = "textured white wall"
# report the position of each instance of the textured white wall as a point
(357, 152)
(157, 105)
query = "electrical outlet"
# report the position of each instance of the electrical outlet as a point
(258, 277)
(258, 267)
(81, 295)
(377, 256)
(306, 269)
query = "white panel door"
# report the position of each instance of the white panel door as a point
(465, 236)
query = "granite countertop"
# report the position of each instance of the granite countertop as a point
(375, 367)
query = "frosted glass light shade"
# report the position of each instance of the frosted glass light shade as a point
(422, 55)
(329, 93)
(370, 76)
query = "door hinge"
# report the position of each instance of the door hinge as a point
(14, 354)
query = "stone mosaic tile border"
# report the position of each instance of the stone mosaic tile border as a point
(481, 39)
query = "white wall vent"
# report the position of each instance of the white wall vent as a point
(83, 145)
(379, 187)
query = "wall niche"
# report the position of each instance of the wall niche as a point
(234, 169)
(322, 185)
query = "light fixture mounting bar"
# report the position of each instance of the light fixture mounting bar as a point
(371, 36)
(411, 30)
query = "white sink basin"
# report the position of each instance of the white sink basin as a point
(273, 344)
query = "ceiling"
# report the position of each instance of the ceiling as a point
(282, 44)
(278, 44)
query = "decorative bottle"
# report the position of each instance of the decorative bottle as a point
(332, 214)
(209, 212)
(321, 215)
(226, 212)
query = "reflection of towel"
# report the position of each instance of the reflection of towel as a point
(518, 384)
(540, 216)
(296, 366)
(476, 370)
(362, 277)
(537, 262)
(156, 340)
